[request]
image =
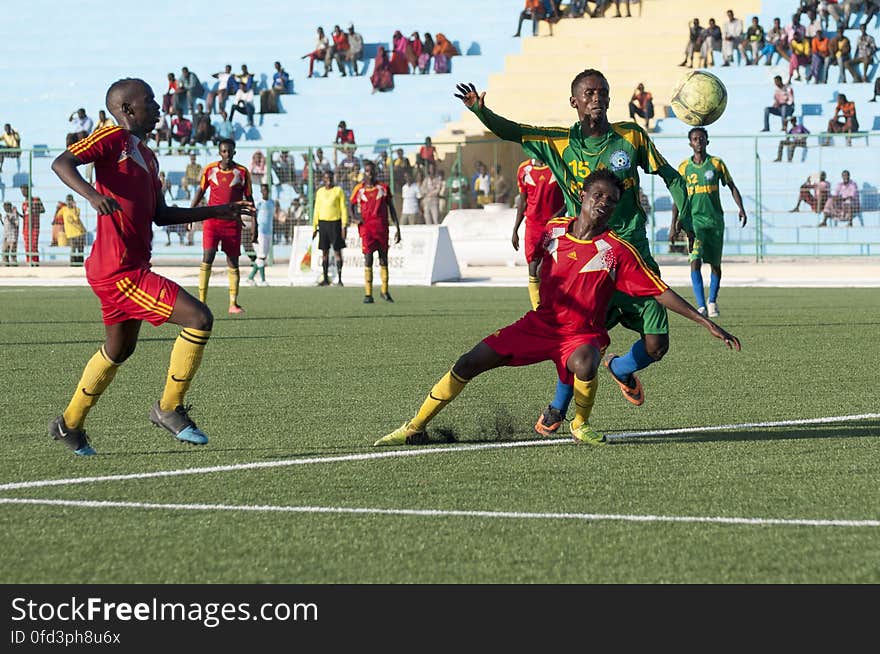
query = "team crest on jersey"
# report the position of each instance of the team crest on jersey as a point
(710, 175)
(619, 160)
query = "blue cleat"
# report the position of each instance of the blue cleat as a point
(75, 439)
(178, 423)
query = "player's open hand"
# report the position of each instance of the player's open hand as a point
(237, 211)
(104, 205)
(469, 95)
(730, 340)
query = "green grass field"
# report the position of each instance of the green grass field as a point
(294, 392)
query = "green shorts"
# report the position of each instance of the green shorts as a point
(641, 314)
(708, 244)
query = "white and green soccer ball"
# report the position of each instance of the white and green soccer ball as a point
(699, 98)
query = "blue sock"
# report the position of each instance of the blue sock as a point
(714, 285)
(636, 359)
(562, 399)
(697, 283)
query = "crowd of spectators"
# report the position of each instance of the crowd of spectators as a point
(552, 11)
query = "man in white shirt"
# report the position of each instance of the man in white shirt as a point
(81, 126)
(409, 212)
(733, 31)
(431, 187)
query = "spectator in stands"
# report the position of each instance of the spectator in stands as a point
(181, 130)
(444, 50)
(841, 11)
(865, 49)
(168, 98)
(224, 86)
(695, 30)
(430, 189)
(32, 208)
(814, 191)
(381, 164)
(710, 43)
(348, 172)
(10, 146)
(427, 153)
(481, 185)
(338, 50)
(191, 87)
(258, 167)
(223, 128)
(243, 101)
(192, 176)
(773, 39)
(427, 52)
(81, 126)
(502, 193)
(841, 52)
(843, 205)
(819, 52)
(411, 194)
(796, 138)
(800, 56)
(164, 187)
(783, 104)
(642, 104)
(401, 54)
(814, 24)
(534, 11)
(280, 86)
(844, 120)
(58, 236)
(322, 46)
(750, 47)
(732, 37)
(876, 89)
(103, 121)
(74, 230)
(203, 131)
(162, 132)
(284, 168)
(320, 165)
(296, 215)
(382, 78)
(872, 8)
(415, 48)
(11, 222)
(355, 49)
(344, 140)
(400, 164)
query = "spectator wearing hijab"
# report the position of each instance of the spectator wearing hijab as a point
(401, 54)
(382, 78)
(443, 52)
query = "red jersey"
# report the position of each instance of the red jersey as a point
(579, 277)
(371, 202)
(127, 171)
(543, 196)
(226, 186)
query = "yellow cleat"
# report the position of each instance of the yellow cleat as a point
(403, 435)
(586, 435)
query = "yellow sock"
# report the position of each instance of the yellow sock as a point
(383, 275)
(204, 277)
(186, 355)
(584, 398)
(444, 391)
(368, 281)
(97, 375)
(534, 293)
(234, 281)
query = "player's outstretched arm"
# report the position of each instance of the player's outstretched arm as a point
(166, 215)
(475, 101)
(674, 302)
(65, 167)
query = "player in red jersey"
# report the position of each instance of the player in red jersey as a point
(583, 263)
(372, 201)
(540, 199)
(229, 182)
(127, 197)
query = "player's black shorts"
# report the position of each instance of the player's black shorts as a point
(330, 235)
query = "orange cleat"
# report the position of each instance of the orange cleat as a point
(634, 394)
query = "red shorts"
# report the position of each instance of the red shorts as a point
(530, 340)
(137, 295)
(225, 233)
(373, 237)
(533, 238)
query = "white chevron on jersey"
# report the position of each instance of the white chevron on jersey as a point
(603, 260)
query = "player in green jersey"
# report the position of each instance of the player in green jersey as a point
(572, 153)
(703, 175)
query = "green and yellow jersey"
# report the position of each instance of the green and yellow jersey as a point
(703, 182)
(623, 149)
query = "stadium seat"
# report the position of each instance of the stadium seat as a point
(174, 177)
(20, 179)
(876, 126)
(811, 110)
(381, 144)
(41, 150)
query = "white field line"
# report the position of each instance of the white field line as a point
(420, 451)
(436, 513)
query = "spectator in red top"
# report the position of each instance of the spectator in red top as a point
(31, 212)
(415, 51)
(382, 78)
(181, 129)
(400, 54)
(338, 49)
(345, 138)
(844, 119)
(427, 152)
(642, 104)
(168, 98)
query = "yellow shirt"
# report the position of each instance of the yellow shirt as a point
(73, 226)
(330, 206)
(11, 140)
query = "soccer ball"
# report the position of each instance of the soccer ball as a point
(699, 98)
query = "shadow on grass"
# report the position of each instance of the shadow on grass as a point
(860, 429)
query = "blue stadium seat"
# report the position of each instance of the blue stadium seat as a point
(876, 126)
(381, 144)
(41, 150)
(174, 177)
(811, 110)
(20, 179)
